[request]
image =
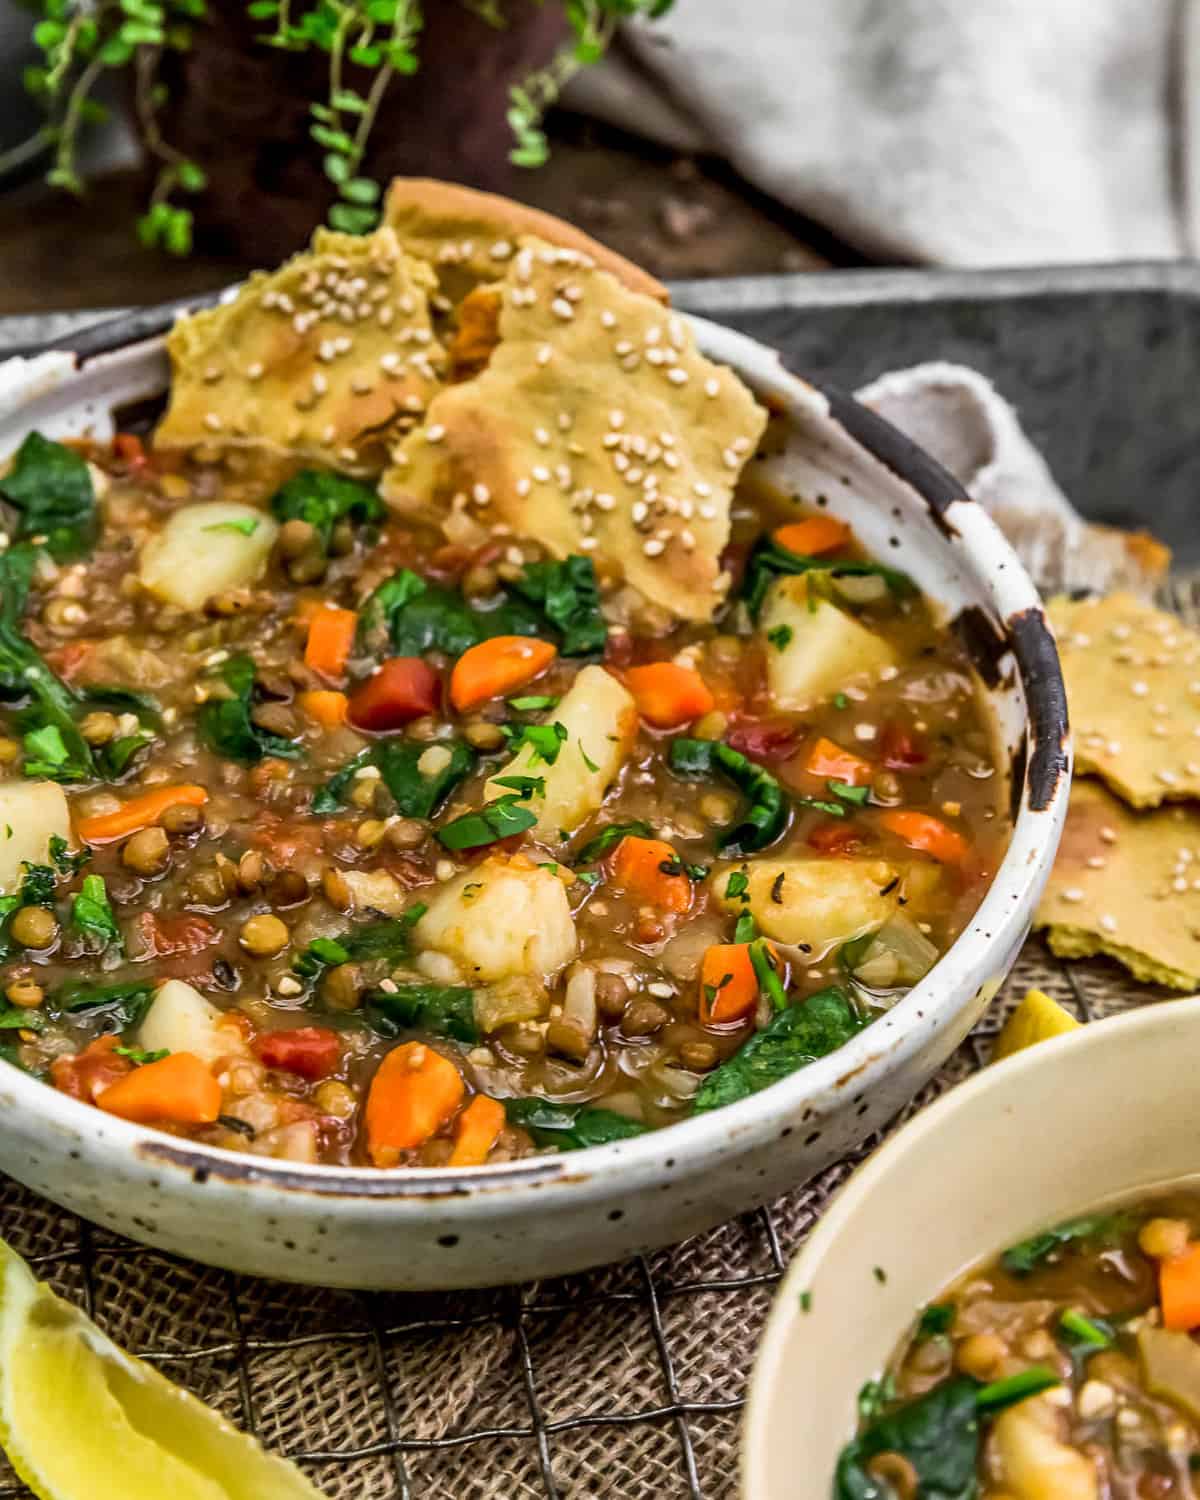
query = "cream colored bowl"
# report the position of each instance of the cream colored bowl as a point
(1097, 1114)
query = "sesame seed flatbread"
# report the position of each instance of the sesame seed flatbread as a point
(1133, 690)
(596, 427)
(316, 364)
(1127, 884)
(470, 236)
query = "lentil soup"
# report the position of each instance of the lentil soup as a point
(1065, 1369)
(343, 828)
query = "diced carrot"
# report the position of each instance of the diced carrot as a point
(928, 834)
(414, 1092)
(813, 535)
(324, 706)
(498, 666)
(176, 1090)
(330, 641)
(728, 984)
(137, 813)
(637, 868)
(1179, 1290)
(403, 689)
(831, 763)
(668, 695)
(479, 1128)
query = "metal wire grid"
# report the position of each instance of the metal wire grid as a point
(666, 1428)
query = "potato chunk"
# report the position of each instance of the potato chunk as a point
(601, 721)
(180, 1019)
(505, 916)
(821, 902)
(31, 814)
(1036, 1464)
(206, 549)
(826, 647)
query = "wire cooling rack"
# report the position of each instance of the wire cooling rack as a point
(624, 1383)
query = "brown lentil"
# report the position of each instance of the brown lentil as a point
(147, 852)
(644, 1017)
(26, 993)
(341, 987)
(264, 936)
(182, 819)
(98, 728)
(407, 833)
(33, 927)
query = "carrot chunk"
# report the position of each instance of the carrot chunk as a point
(728, 984)
(1179, 1290)
(668, 695)
(176, 1090)
(829, 761)
(637, 867)
(137, 813)
(324, 706)
(330, 641)
(414, 1093)
(497, 666)
(479, 1128)
(813, 535)
(928, 834)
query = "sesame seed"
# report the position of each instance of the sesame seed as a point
(500, 250)
(329, 432)
(655, 357)
(319, 384)
(1097, 862)
(1139, 689)
(390, 362)
(677, 376)
(1168, 778)
(712, 386)
(653, 547)
(1108, 922)
(864, 731)
(688, 540)
(1073, 894)
(702, 489)
(254, 371)
(587, 543)
(212, 421)
(633, 476)
(620, 462)
(608, 319)
(544, 354)
(386, 315)
(523, 487)
(541, 473)
(541, 437)
(561, 308)
(639, 511)
(435, 433)
(481, 494)
(605, 501)
(326, 350)
(616, 418)
(1108, 835)
(213, 373)
(564, 421)
(708, 512)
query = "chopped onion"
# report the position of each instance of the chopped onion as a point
(678, 1082)
(900, 954)
(861, 588)
(508, 1001)
(579, 998)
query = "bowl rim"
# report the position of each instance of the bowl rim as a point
(996, 925)
(837, 1219)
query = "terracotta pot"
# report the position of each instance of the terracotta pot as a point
(241, 111)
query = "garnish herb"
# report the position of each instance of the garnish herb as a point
(1082, 1335)
(226, 726)
(780, 637)
(127, 1002)
(569, 595)
(570, 1127)
(496, 820)
(766, 817)
(794, 1037)
(599, 844)
(738, 885)
(247, 526)
(769, 982)
(140, 1057)
(398, 761)
(533, 703)
(855, 795)
(50, 488)
(1020, 1259)
(544, 741)
(386, 939)
(936, 1320)
(527, 786)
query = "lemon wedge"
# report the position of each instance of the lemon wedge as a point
(82, 1420)
(1036, 1019)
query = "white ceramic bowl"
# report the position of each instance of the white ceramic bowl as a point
(1095, 1115)
(553, 1214)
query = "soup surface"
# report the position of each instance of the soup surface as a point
(535, 792)
(1066, 1369)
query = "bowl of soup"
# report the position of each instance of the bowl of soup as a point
(1002, 1302)
(488, 806)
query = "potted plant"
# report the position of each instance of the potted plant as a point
(261, 117)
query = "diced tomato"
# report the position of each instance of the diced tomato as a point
(68, 659)
(837, 838)
(310, 1051)
(282, 842)
(765, 739)
(403, 689)
(87, 1075)
(128, 446)
(901, 749)
(166, 937)
(619, 649)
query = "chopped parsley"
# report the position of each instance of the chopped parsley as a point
(496, 820)
(247, 526)
(780, 637)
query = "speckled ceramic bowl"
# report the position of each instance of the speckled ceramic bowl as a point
(1031, 1142)
(554, 1214)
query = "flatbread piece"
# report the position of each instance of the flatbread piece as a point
(471, 236)
(1133, 690)
(1127, 884)
(317, 363)
(596, 427)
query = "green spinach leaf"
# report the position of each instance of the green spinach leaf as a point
(766, 817)
(226, 726)
(599, 844)
(496, 820)
(323, 499)
(50, 487)
(569, 596)
(387, 939)
(570, 1127)
(127, 1001)
(92, 914)
(769, 561)
(444, 1010)
(415, 794)
(793, 1037)
(1021, 1259)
